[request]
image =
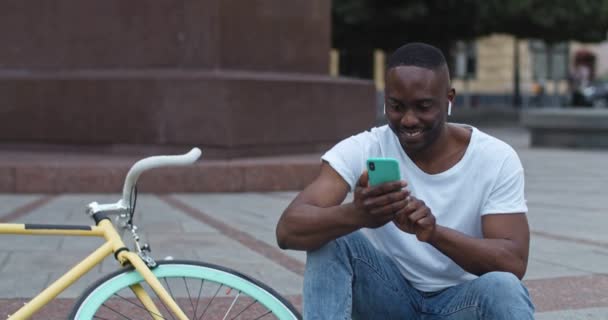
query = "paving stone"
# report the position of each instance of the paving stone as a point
(10, 202)
(539, 269)
(21, 283)
(22, 243)
(570, 255)
(582, 314)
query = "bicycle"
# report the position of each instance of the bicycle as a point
(136, 290)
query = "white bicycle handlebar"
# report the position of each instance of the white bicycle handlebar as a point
(136, 170)
(154, 162)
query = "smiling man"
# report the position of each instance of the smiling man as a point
(448, 241)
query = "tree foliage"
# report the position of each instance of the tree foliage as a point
(387, 24)
(551, 21)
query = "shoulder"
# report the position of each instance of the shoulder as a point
(491, 146)
(496, 153)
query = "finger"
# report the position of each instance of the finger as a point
(418, 214)
(406, 210)
(425, 222)
(387, 199)
(389, 209)
(386, 188)
(401, 219)
(412, 205)
(403, 223)
(363, 179)
(415, 203)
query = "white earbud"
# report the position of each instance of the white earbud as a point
(449, 108)
(384, 110)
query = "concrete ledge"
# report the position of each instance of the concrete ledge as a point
(234, 114)
(573, 128)
(484, 116)
(54, 173)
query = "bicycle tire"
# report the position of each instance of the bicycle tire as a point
(103, 293)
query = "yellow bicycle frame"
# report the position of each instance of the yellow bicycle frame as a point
(112, 244)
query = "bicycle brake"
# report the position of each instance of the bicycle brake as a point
(147, 259)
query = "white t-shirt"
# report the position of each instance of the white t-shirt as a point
(488, 179)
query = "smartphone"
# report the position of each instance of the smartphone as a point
(381, 170)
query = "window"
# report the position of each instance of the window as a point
(542, 68)
(465, 60)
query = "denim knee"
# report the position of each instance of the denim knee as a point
(338, 249)
(501, 283)
(506, 290)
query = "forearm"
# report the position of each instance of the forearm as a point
(307, 227)
(479, 256)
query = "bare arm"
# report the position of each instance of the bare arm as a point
(317, 215)
(504, 246)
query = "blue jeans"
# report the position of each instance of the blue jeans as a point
(348, 278)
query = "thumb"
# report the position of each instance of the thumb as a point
(363, 179)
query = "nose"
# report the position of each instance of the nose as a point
(409, 118)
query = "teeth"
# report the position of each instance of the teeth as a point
(413, 134)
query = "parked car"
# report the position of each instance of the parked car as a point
(594, 95)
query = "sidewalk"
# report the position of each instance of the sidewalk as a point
(566, 276)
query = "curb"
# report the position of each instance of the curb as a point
(276, 174)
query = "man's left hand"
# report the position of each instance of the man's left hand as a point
(416, 218)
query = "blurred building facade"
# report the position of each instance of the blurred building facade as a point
(484, 70)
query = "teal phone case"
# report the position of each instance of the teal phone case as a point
(381, 170)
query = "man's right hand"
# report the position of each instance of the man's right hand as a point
(377, 205)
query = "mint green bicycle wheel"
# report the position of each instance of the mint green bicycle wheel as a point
(203, 291)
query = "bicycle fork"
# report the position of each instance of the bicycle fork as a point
(124, 257)
(156, 286)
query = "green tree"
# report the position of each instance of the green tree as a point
(387, 24)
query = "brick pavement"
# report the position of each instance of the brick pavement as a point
(568, 261)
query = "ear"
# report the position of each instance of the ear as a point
(452, 95)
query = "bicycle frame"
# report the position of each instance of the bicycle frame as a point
(113, 244)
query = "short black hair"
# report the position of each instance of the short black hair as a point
(416, 54)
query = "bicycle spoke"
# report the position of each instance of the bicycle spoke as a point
(215, 295)
(198, 299)
(232, 305)
(140, 306)
(104, 305)
(262, 316)
(164, 305)
(188, 291)
(245, 309)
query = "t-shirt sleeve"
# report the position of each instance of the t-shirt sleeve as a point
(507, 194)
(348, 158)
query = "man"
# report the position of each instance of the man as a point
(449, 241)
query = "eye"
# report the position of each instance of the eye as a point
(395, 107)
(425, 105)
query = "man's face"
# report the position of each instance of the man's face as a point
(416, 102)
